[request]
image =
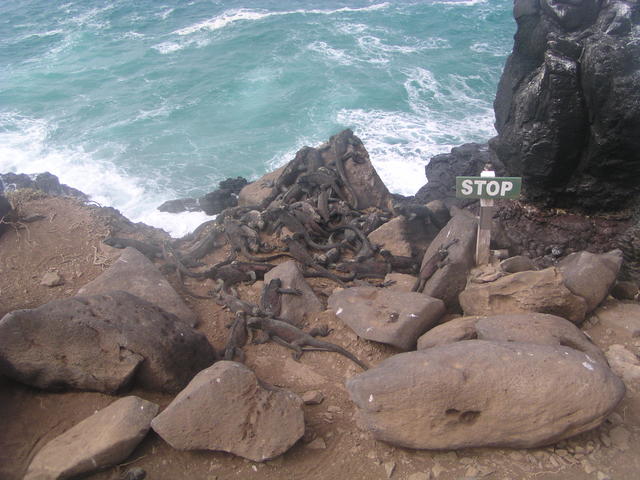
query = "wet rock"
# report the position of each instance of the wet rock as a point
(516, 264)
(105, 438)
(134, 273)
(101, 343)
(45, 182)
(225, 196)
(466, 394)
(180, 205)
(568, 105)
(386, 316)
(391, 236)
(294, 308)
(626, 365)
(531, 291)
(590, 275)
(538, 328)
(447, 282)
(225, 407)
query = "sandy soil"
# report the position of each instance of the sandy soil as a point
(68, 240)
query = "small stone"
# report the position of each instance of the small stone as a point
(587, 467)
(562, 452)
(309, 436)
(471, 472)
(135, 473)
(603, 476)
(317, 444)
(554, 462)
(605, 439)
(419, 476)
(312, 397)
(620, 438)
(52, 279)
(334, 409)
(466, 461)
(437, 469)
(389, 468)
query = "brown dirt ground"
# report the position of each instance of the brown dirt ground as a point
(68, 241)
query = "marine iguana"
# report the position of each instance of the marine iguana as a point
(430, 267)
(238, 336)
(271, 298)
(292, 337)
(149, 250)
(298, 251)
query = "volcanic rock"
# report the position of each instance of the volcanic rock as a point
(516, 264)
(294, 308)
(134, 273)
(468, 394)
(101, 343)
(531, 291)
(626, 365)
(568, 103)
(260, 192)
(45, 182)
(105, 438)
(625, 290)
(392, 237)
(449, 280)
(180, 205)
(623, 317)
(590, 275)
(538, 328)
(225, 407)
(225, 196)
(5, 210)
(387, 316)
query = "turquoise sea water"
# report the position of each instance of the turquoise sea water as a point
(137, 101)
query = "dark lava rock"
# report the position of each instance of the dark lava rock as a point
(101, 343)
(225, 196)
(5, 210)
(180, 205)
(46, 182)
(568, 103)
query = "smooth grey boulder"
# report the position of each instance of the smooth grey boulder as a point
(226, 407)
(101, 343)
(531, 291)
(387, 316)
(294, 308)
(516, 264)
(105, 438)
(447, 282)
(538, 328)
(260, 192)
(134, 273)
(591, 275)
(479, 393)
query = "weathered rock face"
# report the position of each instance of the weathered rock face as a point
(105, 438)
(447, 282)
(225, 407)
(294, 308)
(260, 192)
(387, 316)
(46, 182)
(590, 275)
(538, 328)
(101, 343)
(134, 273)
(531, 291)
(467, 160)
(479, 393)
(568, 103)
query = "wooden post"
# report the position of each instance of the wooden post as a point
(483, 239)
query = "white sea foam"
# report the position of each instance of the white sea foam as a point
(24, 149)
(333, 54)
(245, 14)
(467, 3)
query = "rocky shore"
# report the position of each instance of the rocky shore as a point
(322, 327)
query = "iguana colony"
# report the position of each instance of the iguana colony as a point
(312, 216)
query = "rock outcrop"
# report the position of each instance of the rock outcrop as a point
(105, 438)
(225, 407)
(568, 103)
(134, 273)
(479, 393)
(101, 343)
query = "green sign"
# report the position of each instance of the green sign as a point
(488, 187)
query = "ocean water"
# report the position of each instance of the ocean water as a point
(140, 101)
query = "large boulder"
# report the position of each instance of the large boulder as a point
(530, 291)
(45, 182)
(105, 438)
(479, 394)
(225, 407)
(591, 275)
(387, 316)
(294, 308)
(101, 343)
(449, 280)
(134, 273)
(392, 236)
(260, 192)
(538, 328)
(568, 103)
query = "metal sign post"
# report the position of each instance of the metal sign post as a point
(486, 187)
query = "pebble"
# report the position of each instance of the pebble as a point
(389, 468)
(419, 476)
(334, 409)
(620, 438)
(312, 397)
(587, 467)
(471, 472)
(52, 279)
(605, 439)
(437, 469)
(603, 476)
(317, 444)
